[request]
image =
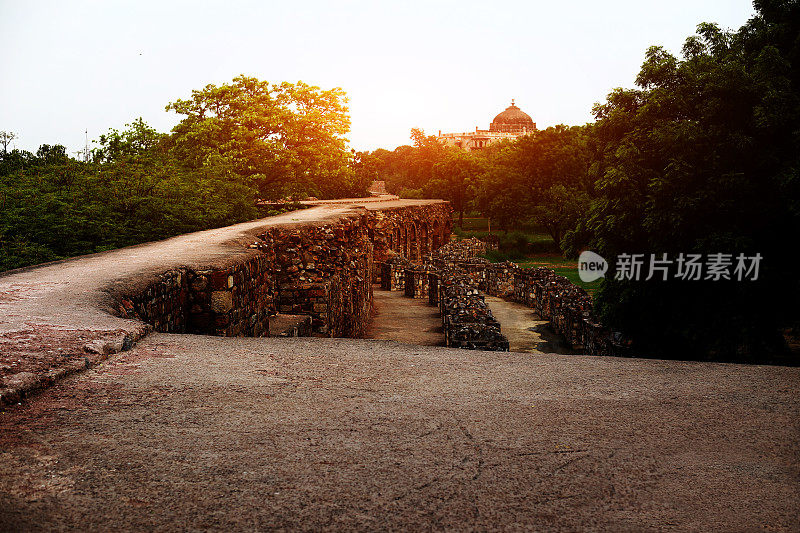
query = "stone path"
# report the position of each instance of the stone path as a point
(242, 434)
(524, 329)
(403, 319)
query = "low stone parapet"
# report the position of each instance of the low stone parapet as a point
(417, 283)
(393, 276)
(566, 306)
(466, 319)
(499, 279)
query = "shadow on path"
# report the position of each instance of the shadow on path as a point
(524, 329)
(402, 319)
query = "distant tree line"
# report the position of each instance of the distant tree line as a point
(702, 157)
(237, 143)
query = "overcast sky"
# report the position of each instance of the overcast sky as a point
(69, 66)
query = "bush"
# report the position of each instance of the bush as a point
(514, 245)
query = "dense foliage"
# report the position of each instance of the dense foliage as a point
(284, 139)
(704, 158)
(237, 143)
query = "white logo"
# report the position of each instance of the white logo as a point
(591, 266)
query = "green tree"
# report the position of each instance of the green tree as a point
(134, 191)
(501, 195)
(560, 209)
(284, 138)
(5, 139)
(452, 179)
(703, 158)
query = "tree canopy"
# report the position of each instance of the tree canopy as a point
(702, 157)
(237, 143)
(285, 138)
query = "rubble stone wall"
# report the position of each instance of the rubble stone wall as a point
(324, 271)
(234, 301)
(411, 232)
(393, 276)
(555, 298)
(416, 283)
(466, 319)
(161, 303)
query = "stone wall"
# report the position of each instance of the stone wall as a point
(392, 273)
(323, 270)
(161, 303)
(555, 298)
(233, 301)
(466, 320)
(412, 233)
(417, 282)
(499, 279)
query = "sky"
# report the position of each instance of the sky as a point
(72, 66)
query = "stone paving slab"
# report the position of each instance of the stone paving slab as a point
(238, 434)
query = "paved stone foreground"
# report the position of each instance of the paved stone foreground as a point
(189, 432)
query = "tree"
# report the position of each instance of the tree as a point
(560, 209)
(135, 143)
(285, 138)
(501, 194)
(453, 178)
(5, 139)
(702, 158)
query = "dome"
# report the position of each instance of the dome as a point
(513, 120)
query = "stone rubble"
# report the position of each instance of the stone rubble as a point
(456, 276)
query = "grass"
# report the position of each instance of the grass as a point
(564, 267)
(529, 247)
(474, 224)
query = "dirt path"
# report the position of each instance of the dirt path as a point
(524, 329)
(210, 433)
(402, 319)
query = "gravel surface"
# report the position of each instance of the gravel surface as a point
(190, 432)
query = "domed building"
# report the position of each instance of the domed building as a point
(510, 124)
(513, 120)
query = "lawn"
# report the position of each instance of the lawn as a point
(564, 267)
